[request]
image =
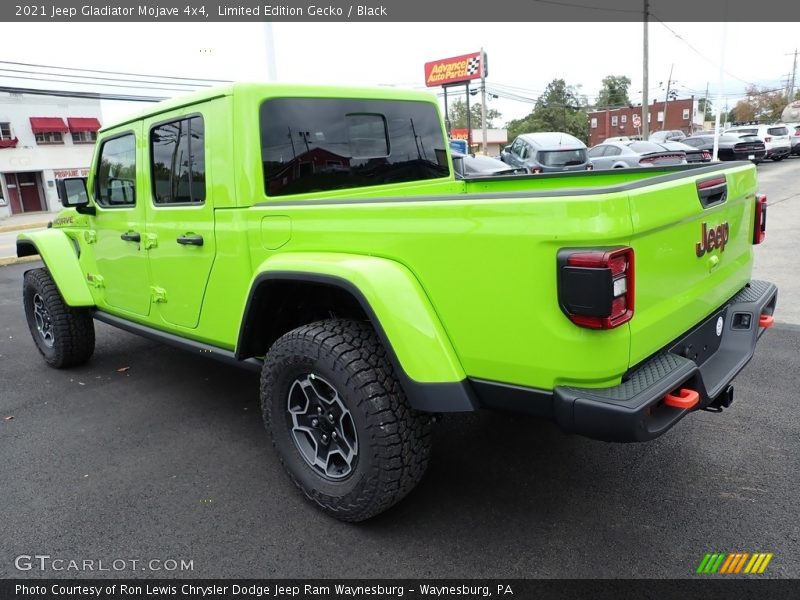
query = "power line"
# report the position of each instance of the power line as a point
(89, 95)
(584, 6)
(695, 50)
(21, 64)
(136, 87)
(193, 85)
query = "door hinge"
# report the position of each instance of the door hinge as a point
(95, 280)
(150, 241)
(90, 237)
(158, 294)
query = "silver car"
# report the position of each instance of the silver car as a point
(668, 135)
(621, 155)
(546, 152)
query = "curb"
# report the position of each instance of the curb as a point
(6, 261)
(23, 226)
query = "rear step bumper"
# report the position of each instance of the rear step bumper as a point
(682, 378)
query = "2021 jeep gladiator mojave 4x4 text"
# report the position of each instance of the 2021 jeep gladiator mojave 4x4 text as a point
(321, 236)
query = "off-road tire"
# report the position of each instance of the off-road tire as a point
(393, 440)
(71, 329)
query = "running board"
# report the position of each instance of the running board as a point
(170, 339)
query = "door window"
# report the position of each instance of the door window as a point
(115, 185)
(178, 162)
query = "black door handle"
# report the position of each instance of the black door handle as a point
(190, 240)
(131, 237)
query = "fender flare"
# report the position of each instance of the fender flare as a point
(400, 312)
(59, 256)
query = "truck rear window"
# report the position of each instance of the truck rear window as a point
(320, 144)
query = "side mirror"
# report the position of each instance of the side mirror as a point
(72, 193)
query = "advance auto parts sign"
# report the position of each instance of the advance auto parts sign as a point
(453, 70)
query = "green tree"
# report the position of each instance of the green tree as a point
(763, 104)
(614, 91)
(707, 107)
(457, 113)
(560, 108)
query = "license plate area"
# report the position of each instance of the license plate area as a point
(704, 340)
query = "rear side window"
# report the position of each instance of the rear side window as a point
(321, 144)
(596, 152)
(696, 142)
(646, 147)
(177, 162)
(778, 131)
(115, 185)
(561, 158)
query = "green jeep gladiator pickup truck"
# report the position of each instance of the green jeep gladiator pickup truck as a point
(321, 236)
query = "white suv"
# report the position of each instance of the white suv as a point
(776, 138)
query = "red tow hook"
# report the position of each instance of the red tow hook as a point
(685, 399)
(766, 321)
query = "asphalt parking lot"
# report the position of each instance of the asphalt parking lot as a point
(167, 460)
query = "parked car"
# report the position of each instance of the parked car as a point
(546, 152)
(472, 165)
(731, 146)
(776, 138)
(794, 133)
(620, 155)
(693, 154)
(668, 135)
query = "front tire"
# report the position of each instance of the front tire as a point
(64, 335)
(340, 421)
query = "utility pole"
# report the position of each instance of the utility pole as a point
(705, 106)
(790, 95)
(483, 100)
(715, 152)
(666, 99)
(646, 84)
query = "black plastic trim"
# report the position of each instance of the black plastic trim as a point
(26, 248)
(634, 411)
(157, 335)
(513, 398)
(456, 396)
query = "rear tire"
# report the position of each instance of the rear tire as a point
(64, 335)
(340, 421)
(779, 158)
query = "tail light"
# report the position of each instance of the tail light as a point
(760, 227)
(590, 167)
(535, 170)
(706, 155)
(596, 287)
(767, 139)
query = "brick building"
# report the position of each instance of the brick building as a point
(681, 114)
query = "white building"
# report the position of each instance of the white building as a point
(43, 138)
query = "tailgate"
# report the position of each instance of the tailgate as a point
(691, 255)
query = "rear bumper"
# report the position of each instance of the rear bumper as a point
(635, 409)
(779, 151)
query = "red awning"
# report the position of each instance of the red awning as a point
(48, 125)
(78, 124)
(9, 143)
